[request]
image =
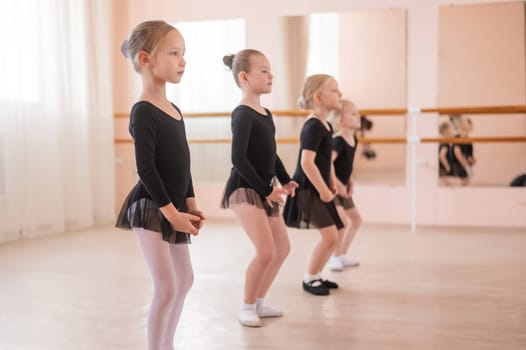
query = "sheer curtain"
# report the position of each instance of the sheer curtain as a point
(56, 133)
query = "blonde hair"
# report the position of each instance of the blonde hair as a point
(240, 62)
(443, 127)
(144, 37)
(313, 84)
(336, 114)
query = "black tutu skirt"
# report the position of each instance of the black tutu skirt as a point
(346, 203)
(252, 197)
(459, 171)
(306, 210)
(144, 213)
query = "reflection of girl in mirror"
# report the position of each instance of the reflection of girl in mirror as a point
(446, 158)
(313, 205)
(463, 152)
(346, 121)
(161, 208)
(250, 190)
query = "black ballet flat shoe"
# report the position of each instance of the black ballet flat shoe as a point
(316, 287)
(329, 284)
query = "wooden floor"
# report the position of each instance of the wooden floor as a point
(437, 289)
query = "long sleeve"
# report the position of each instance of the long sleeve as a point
(281, 172)
(190, 191)
(143, 131)
(241, 130)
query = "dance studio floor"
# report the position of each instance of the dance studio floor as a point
(438, 289)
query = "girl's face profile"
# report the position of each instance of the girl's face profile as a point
(168, 63)
(259, 79)
(350, 117)
(330, 95)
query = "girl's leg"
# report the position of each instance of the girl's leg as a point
(350, 231)
(323, 250)
(256, 224)
(184, 278)
(281, 251)
(158, 259)
(341, 232)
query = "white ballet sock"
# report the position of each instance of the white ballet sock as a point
(248, 307)
(309, 278)
(248, 316)
(259, 302)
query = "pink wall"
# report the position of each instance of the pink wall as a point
(383, 203)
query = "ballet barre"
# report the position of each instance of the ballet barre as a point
(371, 140)
(386, 112)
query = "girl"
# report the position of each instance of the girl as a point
(161, 208)
(347, 122)
(250, 189)
(313, 204)
(446, 158)
(463, 153)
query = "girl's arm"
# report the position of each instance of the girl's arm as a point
(338, 186)
(191, 204)
(443, 159)
(284, 178)
(313, 174)
(460, 157)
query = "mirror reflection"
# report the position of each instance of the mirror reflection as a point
(481, 66)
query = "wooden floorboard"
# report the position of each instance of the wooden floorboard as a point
(441, 288)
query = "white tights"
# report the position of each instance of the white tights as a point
(172, 274)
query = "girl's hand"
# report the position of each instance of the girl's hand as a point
(184, 222)
(290, 187)
(341, 190)
(327, 195)
(276, 196)
(197, 224)
(350, 190)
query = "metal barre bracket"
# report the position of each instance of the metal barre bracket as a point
(414, 110)
(413, 139)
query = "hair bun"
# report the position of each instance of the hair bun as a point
(124, 49)
(228, 60)
(302, 103)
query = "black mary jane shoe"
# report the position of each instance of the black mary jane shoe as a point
(316, 287)
(329, 284)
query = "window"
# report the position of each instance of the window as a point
(208, 85)
(323, 44)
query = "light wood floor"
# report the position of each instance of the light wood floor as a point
(438, 289)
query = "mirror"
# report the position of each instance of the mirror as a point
(350, 46)
(479, 66)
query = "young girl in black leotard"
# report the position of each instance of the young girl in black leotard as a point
(313, 205)
(251, 191)
(161, 208)
(347, 121)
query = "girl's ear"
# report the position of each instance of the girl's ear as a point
(242, 76)
(144, 58)
(316, 97)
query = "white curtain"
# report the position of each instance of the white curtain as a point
(56, 131)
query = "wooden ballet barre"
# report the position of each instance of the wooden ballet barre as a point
(387, 112)
(480, 139)
(285, 141)
(477, 110)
